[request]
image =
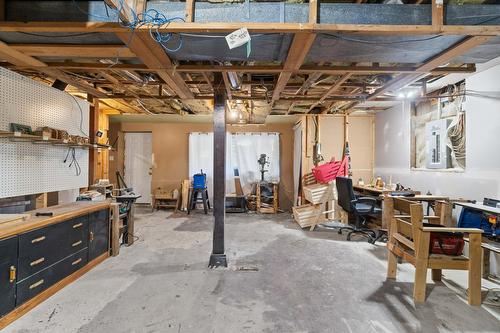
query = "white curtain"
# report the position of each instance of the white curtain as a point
(247, 148)
(201, 157)
(242, 152)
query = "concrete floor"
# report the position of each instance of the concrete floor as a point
(280, 279)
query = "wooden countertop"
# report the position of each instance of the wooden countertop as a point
(61, 213)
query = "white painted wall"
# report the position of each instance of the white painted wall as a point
(482, 173)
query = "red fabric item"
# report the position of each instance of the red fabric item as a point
(447, 243)
(327, 172)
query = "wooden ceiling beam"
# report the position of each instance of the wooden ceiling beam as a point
(69, 51)
(437, 15)
(189, 10)
(20, 59)
(255, 27)
(239, 97)
(336, 86)
(150, 52)
(227, 85)
(154, 56)
(327, 70)
(301, 44)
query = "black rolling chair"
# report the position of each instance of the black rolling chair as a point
(358, 208)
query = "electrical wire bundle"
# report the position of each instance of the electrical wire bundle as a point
(71, 154)
(151, 18)
(456, 132)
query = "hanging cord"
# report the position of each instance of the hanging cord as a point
(71, 154)
(81, 114)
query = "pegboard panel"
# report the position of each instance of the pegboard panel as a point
(27, 168)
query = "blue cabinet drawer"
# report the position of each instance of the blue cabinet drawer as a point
(35, 284)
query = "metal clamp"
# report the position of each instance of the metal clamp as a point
(91, 236)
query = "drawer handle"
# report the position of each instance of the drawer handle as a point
(76, 243)
(36, 284)
(38, 240)
(76, 262)
(38, 261)
(78, 225)
(12, 274)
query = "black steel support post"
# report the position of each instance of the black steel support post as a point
(218, 257)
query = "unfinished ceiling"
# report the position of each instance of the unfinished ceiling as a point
(303, 57)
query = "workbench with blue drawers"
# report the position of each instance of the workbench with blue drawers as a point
(42, 254)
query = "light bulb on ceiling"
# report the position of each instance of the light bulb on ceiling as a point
(401, 95)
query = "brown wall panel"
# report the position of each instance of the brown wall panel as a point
(171, 150)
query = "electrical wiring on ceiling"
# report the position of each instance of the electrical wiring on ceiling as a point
(377, 42)
(151, 18)
(57, 36)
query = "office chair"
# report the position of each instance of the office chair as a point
(359, 207)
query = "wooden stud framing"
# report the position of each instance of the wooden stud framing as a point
(437, 15)
(227, 85)
(65, 50)
(330, 91)
(190, 10)
(153, 56)
(299, 49)
(318, 69)
(255, 27)
(313, 11)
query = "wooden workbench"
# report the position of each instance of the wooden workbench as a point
(40, 255)
(61, 213)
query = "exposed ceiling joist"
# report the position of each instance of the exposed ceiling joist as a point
(308, 69)
(254, 27)
(227, 85)
(17, 58)
(154, 56)
(297, 53)
(73, 51)
(336, 86)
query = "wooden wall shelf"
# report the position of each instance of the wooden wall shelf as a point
(37, 139)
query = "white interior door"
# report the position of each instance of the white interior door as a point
(139, 164)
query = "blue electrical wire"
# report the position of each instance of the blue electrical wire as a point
(151, 18)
